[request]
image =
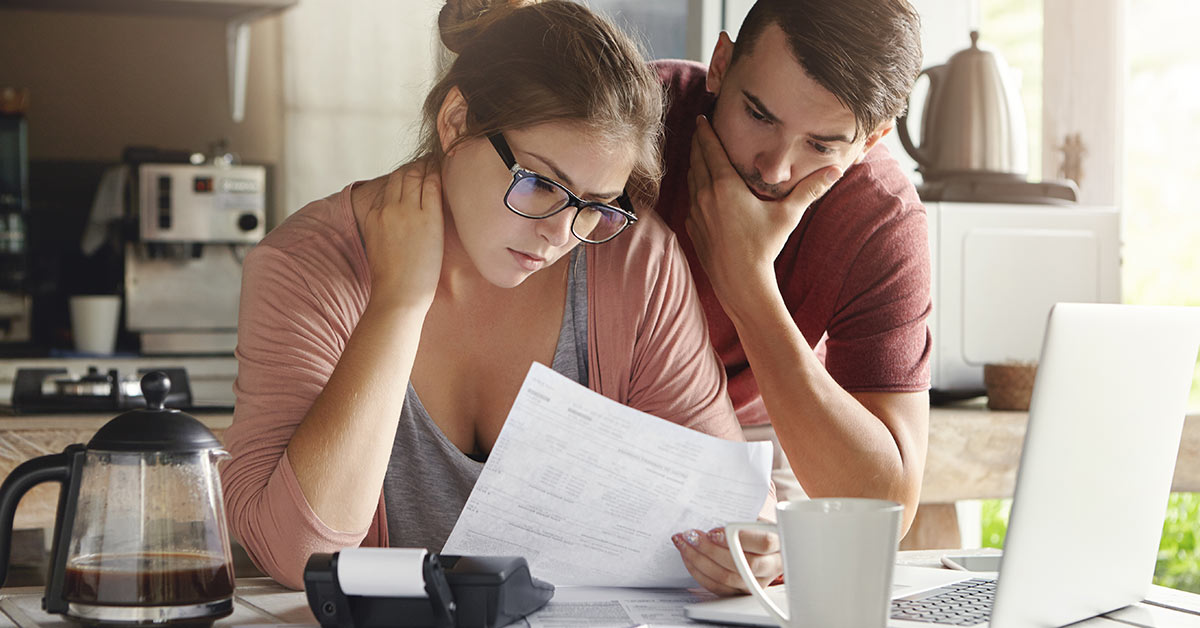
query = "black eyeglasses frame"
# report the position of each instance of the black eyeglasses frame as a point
(624, 205)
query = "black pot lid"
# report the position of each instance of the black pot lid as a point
(154, 428)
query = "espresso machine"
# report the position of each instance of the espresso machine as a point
(195, 222)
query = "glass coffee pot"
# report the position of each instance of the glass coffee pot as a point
(140, 535)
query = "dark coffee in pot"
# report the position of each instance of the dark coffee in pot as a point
(148, 579)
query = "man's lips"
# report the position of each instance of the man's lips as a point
(761, 190)
(763, 196)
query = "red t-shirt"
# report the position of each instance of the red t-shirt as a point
(856, 268)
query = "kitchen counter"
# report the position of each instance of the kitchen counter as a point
(263, 602)
(973, 454)
(28, 436)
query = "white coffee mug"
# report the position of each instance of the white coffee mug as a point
(838, 554)
(94, 321)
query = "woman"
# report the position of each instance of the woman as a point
(385, 330)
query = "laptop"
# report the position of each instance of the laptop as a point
(1105, 421)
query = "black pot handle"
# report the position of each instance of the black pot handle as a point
(52, 468)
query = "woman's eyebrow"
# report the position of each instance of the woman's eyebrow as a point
(563, 178)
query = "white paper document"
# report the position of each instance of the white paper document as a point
(574, 607)
(590, 491)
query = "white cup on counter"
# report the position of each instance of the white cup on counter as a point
(838, 555)
(94, 320)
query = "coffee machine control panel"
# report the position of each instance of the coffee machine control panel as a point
(202, 203)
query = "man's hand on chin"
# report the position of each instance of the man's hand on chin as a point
(736, 234)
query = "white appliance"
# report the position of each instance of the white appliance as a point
(998, 269)
(183, 274)
(202, 203)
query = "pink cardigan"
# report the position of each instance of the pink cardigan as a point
(305, 287)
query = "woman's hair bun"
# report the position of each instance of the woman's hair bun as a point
(460, 20)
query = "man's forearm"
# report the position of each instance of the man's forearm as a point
(837, 446)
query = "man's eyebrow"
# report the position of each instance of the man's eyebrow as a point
(562, 177)
(840, 137)
(766, 113)
(762, 109)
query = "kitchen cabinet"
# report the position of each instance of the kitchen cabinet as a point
(236, 14)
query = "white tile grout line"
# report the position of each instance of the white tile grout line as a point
(14, 612)
(256, 608)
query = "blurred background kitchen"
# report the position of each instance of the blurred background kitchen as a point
(145, 145)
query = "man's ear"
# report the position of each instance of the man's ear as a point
(452, 119)
(722, 56)
(874, 138)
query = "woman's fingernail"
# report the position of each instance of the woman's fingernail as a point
(692, 536)
(717, 535)
(832, 175)
(677, 540)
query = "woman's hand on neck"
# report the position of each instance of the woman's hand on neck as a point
(402, 227)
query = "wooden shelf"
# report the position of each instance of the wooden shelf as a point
(224, 10)
(236, 14)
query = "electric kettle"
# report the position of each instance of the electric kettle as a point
(973, 122)
(140, 536)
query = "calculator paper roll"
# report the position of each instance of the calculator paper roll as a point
(382, 572)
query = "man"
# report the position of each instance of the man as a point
(809, 247)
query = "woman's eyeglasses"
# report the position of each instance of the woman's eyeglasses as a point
(534, 196)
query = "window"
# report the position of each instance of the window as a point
(1160, 101)
(1155, 172)
(1013, 29)
(660, 25)
(676, 29)
(1161, 216)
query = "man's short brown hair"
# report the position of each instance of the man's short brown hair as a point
(866, 52)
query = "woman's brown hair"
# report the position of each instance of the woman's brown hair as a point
(521, 63)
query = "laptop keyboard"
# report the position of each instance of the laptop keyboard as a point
(966, 603)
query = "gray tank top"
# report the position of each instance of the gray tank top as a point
(428, 479)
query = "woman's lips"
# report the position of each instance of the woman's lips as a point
(527, 261)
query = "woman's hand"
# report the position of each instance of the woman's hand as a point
(706, 556)
(403, 236)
